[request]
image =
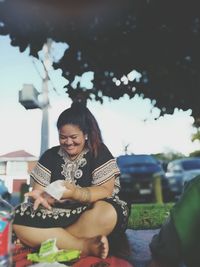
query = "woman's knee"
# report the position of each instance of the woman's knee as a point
(100, 219)
(23, 235)
(105, 213)
(30, 236)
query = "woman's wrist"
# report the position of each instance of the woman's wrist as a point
(82, 194)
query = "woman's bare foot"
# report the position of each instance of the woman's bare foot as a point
(97, 246)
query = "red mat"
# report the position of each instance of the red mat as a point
(20, 255)
(98, 262)
(20, 259)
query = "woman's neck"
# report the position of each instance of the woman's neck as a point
(74, 157)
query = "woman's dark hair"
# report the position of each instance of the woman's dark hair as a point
(79, 115)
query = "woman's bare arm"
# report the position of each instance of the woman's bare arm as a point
(89, 194)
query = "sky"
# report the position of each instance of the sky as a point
(123, 122)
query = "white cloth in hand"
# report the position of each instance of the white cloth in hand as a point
(56, 189)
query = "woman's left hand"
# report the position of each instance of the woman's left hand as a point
(70, 190)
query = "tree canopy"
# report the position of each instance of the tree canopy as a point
(158, 38)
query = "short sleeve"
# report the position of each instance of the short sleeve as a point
(41, 173)
(104, 166)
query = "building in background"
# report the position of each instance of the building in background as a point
(15, 168)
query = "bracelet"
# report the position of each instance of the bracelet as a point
(84, 195)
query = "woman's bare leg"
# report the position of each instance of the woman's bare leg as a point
(33, 237)
(99, 220)
(88, 234)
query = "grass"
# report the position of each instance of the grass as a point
(148, 216)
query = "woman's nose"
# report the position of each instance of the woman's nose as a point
(68, 141)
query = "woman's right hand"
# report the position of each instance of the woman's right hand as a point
(41, 198)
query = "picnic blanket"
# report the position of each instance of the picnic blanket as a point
(138, 256)
(19, 255)
(110, 261)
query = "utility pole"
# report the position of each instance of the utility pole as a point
(45, 113)
(28, 97)
(44, 145)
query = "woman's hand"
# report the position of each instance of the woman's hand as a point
(70, 190)
(41, 198)
(73, 192)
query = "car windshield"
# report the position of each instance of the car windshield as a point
(138, 163)
(191, 165)
(136, 160)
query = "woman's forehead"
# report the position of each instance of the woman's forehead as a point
(70, 128)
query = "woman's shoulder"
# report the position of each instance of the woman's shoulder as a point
(104, 149)
(54, 149)
(51, 151)
(49, 156)
(103, 155)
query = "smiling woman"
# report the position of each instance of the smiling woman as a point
(75, 196)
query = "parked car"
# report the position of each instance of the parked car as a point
(180, 171)
(137, 172)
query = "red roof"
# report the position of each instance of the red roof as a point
(17, 154)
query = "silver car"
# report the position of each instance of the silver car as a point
(180, 171)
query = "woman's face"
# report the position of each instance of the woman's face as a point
(71, 139)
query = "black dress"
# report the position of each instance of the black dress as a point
(84, 171)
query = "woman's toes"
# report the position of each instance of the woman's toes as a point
(104, 247)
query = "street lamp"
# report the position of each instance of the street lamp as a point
(28, 97)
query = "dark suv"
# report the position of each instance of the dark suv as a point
(137, 172)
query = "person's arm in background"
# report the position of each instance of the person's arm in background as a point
(178, 239)
(165, 246)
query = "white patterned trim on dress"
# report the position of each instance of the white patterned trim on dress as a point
(54, 213)
(70, 168)
(123, 204)
(116, 186)
(105, 172)
(41, 175)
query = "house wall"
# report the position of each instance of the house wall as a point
(17, 173)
